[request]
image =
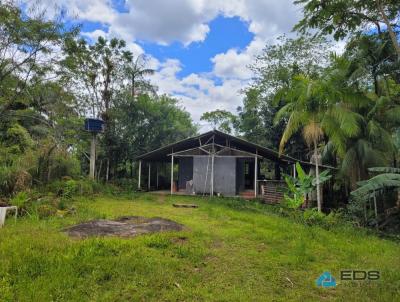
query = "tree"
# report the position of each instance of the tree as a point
(342, 18)
(136, 72)
(274, 70)
(148, 123)
(364, 116)
(98, 72)
(220, 119)
(33, 103)
(304, 109)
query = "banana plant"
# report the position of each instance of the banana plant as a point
(298, 188)
(389, 178)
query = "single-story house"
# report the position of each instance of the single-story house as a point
(216, 163)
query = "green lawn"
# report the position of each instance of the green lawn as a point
(225, 254)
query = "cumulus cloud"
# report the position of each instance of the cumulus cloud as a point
(198, 93)
(186, 21)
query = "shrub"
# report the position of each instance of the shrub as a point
(126, 184)
(20, 199)
(69, 189)
(312, 217)
(45, 210)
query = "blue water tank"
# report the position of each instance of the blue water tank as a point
(94, 125)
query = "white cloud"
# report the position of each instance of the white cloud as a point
(197, 92)
(186, 21)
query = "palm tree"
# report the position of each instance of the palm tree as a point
(359, 122)
(304, 109)
(136, 72)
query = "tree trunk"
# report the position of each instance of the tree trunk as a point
(107, 169)
(390, 29)
(319, 203)
(98, 173)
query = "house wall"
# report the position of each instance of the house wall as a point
(224, 175)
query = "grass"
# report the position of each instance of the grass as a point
(230, 251)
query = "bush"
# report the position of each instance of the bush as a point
(312, 217)
(127, 184)
(45, 211)
(69, 189)
(20, 199)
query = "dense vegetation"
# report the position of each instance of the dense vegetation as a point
(50, 80)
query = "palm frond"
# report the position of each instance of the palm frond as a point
(384, 170)
(376, 183)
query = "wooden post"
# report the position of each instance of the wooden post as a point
(255, 174)
(139, 173)
(172, 173)
(149, 181)
(92, 156)
(376, 211)
(156, 176)
(212, 175)
(294, 170)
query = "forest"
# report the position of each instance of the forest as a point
(307, 99)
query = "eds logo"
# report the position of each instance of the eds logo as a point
(326, 280)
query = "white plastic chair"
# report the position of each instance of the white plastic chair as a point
(3, 212)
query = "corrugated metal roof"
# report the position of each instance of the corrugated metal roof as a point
(162, 154)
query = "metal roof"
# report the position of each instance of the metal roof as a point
(163, 153)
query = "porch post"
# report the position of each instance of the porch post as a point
(255, 174)
(156, 176)
(149, 183)
(139, 173)
(172, 173)
(92, 165)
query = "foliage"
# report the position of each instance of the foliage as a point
(19, 199)
(343, 18)
(220, 119)
(275, 69)
(299, 187)
(376, 183)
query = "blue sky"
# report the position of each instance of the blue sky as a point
(200, 48)
(225, 33)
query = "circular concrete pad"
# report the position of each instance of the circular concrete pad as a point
(128, 226)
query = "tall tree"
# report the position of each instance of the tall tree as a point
(343, 18)
(274, 70)
(137, 72)
(220, 119)
(98, 72)
(304, 110)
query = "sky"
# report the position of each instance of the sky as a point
(200, 49)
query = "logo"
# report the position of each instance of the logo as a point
(359, 275)
(326, 280)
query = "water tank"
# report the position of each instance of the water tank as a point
(94, 125)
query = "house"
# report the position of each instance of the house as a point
(216, 163)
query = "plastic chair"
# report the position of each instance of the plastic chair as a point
(3, 212)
